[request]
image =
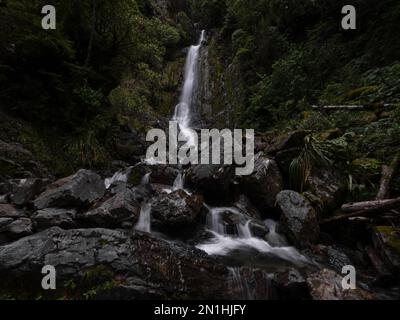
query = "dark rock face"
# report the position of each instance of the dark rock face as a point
(146, 264)
(78, 190)
(159, 174)
(243, 203)
(292, 285)
(123, 206)
(213, 181)
(387, 242)
(292, 140)
(23, 191)
(17, 162)
(177, 210)
(55, 217)
(327, 285)
(299, 219)
(328, 186)
(264, 184)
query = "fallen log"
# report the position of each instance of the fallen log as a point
(352, 107)
(387, 175)
(378, 209)
(359, 206)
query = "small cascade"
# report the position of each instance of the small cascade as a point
(249, 284)
(240, 284)
(273, 237)
(225, 243)
(144, 223)
(120, 176)
(179, 182)
(146, 179)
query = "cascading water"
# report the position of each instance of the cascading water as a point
(144, 223)
(179, 182)
(183, 111)
(120, 176)
(223, 243)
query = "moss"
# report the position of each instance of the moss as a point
(391, 236)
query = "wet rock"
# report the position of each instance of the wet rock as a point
(9, 211)
(23, 191)
(292, 285)
(78, 190)
(327, 285)
(244, 204)
(299, 219)
(158, 174)
(125, 205)
(164, 269)
(387, 241)
(177, 209)
(213, 181)
(335, 257)
(55, 217)
(264, 184)
(327, 185)
(19, 228)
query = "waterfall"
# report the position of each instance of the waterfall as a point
(183, 111)
(144, 223)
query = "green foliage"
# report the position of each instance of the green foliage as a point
(312, 155)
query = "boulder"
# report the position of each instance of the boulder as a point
(25, 190)
(264, 184)
(159, 174)
(327, 285)
(213, 181)
(79, 190)
(299, 220)
(292, 140)
(176, 210)
(9, 211)
(291, 285)
(244, 204)
(123, 206)
(19, 228)
(55, 217)
(138, 265)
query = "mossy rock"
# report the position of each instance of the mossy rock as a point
(387, 241)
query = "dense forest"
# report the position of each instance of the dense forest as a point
(324, 102)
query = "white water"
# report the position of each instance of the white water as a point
(144, 223)
(183, 111)
(223, 244)
(146, 179)
(179, 182)
(120, 176)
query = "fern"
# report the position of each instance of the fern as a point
(312, 155)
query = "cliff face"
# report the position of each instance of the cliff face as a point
(220, 97)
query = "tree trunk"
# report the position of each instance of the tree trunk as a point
(387, 174)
